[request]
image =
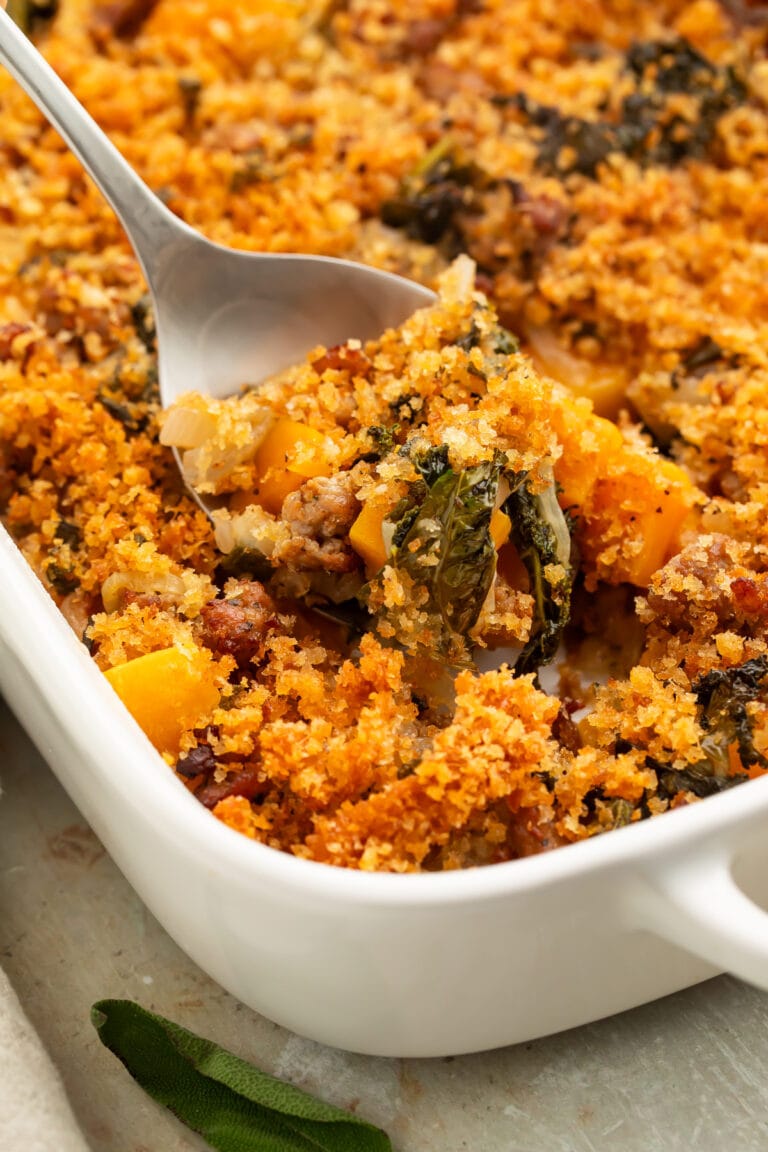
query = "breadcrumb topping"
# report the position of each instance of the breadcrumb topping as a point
(497, 580)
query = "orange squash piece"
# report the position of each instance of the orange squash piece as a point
(619, 492)
(500, 528)
(366, 536)
(589, 442)
(290, 454)
(165, 692)
(660, 497)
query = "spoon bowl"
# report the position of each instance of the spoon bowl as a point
(224, 318)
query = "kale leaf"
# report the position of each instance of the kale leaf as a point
(243, 561)
(383, 441)
(431, 463)
(694, 779)
(431, 197)
(28, 13)
(646, 124)
(723, 696)
(448, 547)
(540, 534)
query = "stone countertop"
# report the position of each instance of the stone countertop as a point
(685, 1074)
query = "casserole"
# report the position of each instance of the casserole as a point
(418, 965)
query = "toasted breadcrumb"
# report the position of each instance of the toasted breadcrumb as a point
(583, 186)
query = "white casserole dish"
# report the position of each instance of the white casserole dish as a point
(419, 965)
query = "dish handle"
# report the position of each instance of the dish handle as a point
(697, 904)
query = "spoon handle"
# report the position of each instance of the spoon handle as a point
(149, 224)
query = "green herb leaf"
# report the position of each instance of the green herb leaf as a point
(432, 197)
(448, 548)
(645, 123)
(540, 534)
(697, 779)
(234, 1106)
(723, 696)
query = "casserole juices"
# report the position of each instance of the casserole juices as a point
(391, 513)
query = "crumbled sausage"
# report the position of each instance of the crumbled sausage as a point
(120, 18)
(710, 582)
(248, 782)
(745, 13)
(319, 516)
(8, 339)
(695, 580)
(237, 624)
(198, 761)
(750, 595)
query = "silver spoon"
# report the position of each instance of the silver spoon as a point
(224, 318)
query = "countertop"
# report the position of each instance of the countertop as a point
(687, 1073)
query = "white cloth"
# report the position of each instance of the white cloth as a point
(35, 1115)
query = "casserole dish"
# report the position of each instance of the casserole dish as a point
(417, 965)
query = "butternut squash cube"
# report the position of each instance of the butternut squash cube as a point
(289, 454)
(589, 442)
(165, 692)
(366, 536)
(500, 528)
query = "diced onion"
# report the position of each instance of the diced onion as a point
(167, 585)
(186, 426)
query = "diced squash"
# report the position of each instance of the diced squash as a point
(166, 692)
(366, 536)
(659, 523)
(274, 488)
(603, 383)
(630, 504)
(647, 501)
(289, 454)
(588, 442)
(500, 528)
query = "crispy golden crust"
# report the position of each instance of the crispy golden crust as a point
(632, 268)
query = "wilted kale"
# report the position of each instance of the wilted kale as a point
(430, 198)
(504, 343)
(431, 463)
(190, 90)
(723, 696)
(618, 811)
(143, 318)
(540, 534)
(696, 779)
(700, 359)
(129, 399)
(68, 533)
(383, 441)
(133, 419)
(62, 579)
(569, 143)
(245, 562)
(448, 549)
(646, 125)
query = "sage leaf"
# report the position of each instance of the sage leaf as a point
(234, 1106)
